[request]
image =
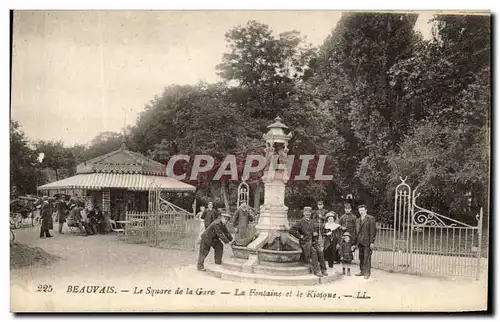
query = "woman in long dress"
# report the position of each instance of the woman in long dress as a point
(241, 222)
(201, 222)
(331, 238)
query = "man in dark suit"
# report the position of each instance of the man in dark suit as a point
(46, 215)
(366, 232)
(307, 232)
(62, 209)
(209, 215)
(211, 238)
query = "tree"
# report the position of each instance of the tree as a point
(23, 172)
(271, 72)
(444, 71)
(57, 158)
(155, 123)
(220, 119)
(266, 68)
(354, 84)
(448, 151)
(78, 151)
(103, 143)
(201, 120)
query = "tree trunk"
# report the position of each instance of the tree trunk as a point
(225, 198)
(215, 193)
(57, 175)
(256, 196)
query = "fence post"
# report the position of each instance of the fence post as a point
(411, 204)
(480, 243)
(394, 235)
(127, 219)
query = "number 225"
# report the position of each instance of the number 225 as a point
(44, 288)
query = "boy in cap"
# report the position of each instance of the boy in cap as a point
(211, 238)
(306, 231)
(346, 249)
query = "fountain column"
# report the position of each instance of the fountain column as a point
(272, 227)
(273, 256)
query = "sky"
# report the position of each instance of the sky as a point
(78, 73)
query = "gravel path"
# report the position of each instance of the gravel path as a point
(104, 260)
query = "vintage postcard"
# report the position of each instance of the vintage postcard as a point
(250, 161)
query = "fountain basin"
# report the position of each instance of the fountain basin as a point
(279, 256)
(243, 252)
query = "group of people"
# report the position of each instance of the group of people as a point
(324, 237)
(88, 221)
(214, 231)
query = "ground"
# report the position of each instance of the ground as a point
(104, 260)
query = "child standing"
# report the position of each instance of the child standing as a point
(346, 253)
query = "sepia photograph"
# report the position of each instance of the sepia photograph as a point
(250, 161)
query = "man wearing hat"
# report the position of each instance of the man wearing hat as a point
(366, 232)
(348, 220)
(62, 209)
(46, 215)
(306, 231)
(211, 238)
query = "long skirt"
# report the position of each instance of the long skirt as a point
(202, 229)
(330, 251)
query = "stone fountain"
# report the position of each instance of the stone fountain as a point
(273, 256)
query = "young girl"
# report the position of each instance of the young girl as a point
(330, 232)
(346, 256)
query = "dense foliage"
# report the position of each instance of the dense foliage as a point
(377, 98)
(24, 175)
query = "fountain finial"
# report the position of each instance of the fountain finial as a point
(276, 133)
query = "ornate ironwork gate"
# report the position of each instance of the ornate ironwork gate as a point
(243, 194)
(421, 241)
(163, 225)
